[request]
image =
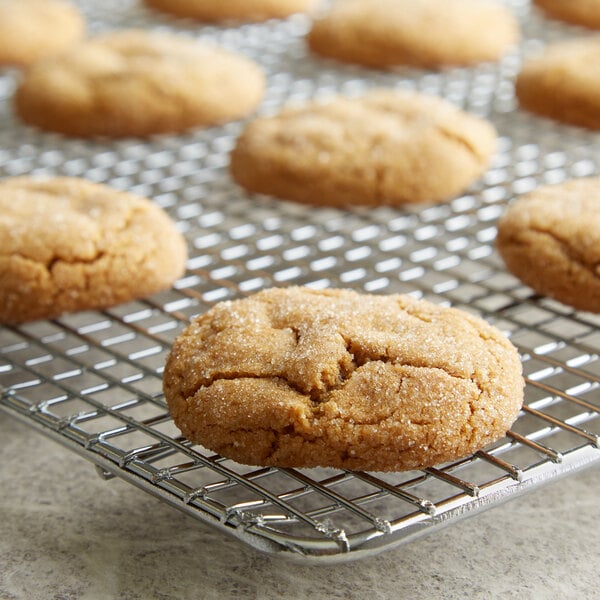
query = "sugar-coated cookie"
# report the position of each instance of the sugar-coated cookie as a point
(578, 12)
(137, 83)
(243, 10)
(421, 33)
(563, 83)
(550, 239)
(303, 378)
(34, 29)
(386, 147)
(68, 244)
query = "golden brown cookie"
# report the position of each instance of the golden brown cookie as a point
(578, 12)
(303, 378)
(387, 147)
(563, 83)
(243, 10)
(34, 29)
(550, 239)
(422, 33)
(137, 83)
(68, 244)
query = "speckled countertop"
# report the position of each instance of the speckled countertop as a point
(65, 534)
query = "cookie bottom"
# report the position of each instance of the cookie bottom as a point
(243, 10)
(577, 12)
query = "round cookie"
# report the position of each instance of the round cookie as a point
(304, 378)
(244, 10)
(138, 83)
(387, 147)
(550, 239)
(578, 12)
(563, 83)
(421, 33)
(68, 244)
(34, 29)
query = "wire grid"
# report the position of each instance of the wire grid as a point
(92, 380)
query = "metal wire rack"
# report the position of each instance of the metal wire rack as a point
(92, 380)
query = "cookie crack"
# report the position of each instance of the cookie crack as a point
(235, 375)
(568, 251)
(410, 310)
(355, 358)
(361, 358)
(319, 396)
(56, 260)
(364, 357)
(461, 141)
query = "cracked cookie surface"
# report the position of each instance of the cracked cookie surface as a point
(68, 244)
(550, 239)
(302, 378)
(138, 83)
(563, 82)
(34, 29)
(387, 147)
(245, 10)
(421, 33)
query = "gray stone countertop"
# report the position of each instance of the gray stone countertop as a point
(65, 534)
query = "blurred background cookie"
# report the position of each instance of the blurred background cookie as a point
(243, 10)
(422, 33)
(563, 82)
(138, 83)
(550, 239)
(34, 29)
(68, 244)
(387, 147)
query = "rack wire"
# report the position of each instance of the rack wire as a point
(92, 380)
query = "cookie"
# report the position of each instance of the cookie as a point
(563, 83)
(420, 33)
(578, 12)
(387, 147)
(68, 244)
(138, 83)
(304, 378)
(550, 239)
(34, 29)
(243, 10)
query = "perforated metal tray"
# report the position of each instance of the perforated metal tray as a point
(92, 381)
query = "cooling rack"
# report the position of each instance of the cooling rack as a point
(92, 380)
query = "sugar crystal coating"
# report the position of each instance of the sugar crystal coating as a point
(69, 244)
(304, 378)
